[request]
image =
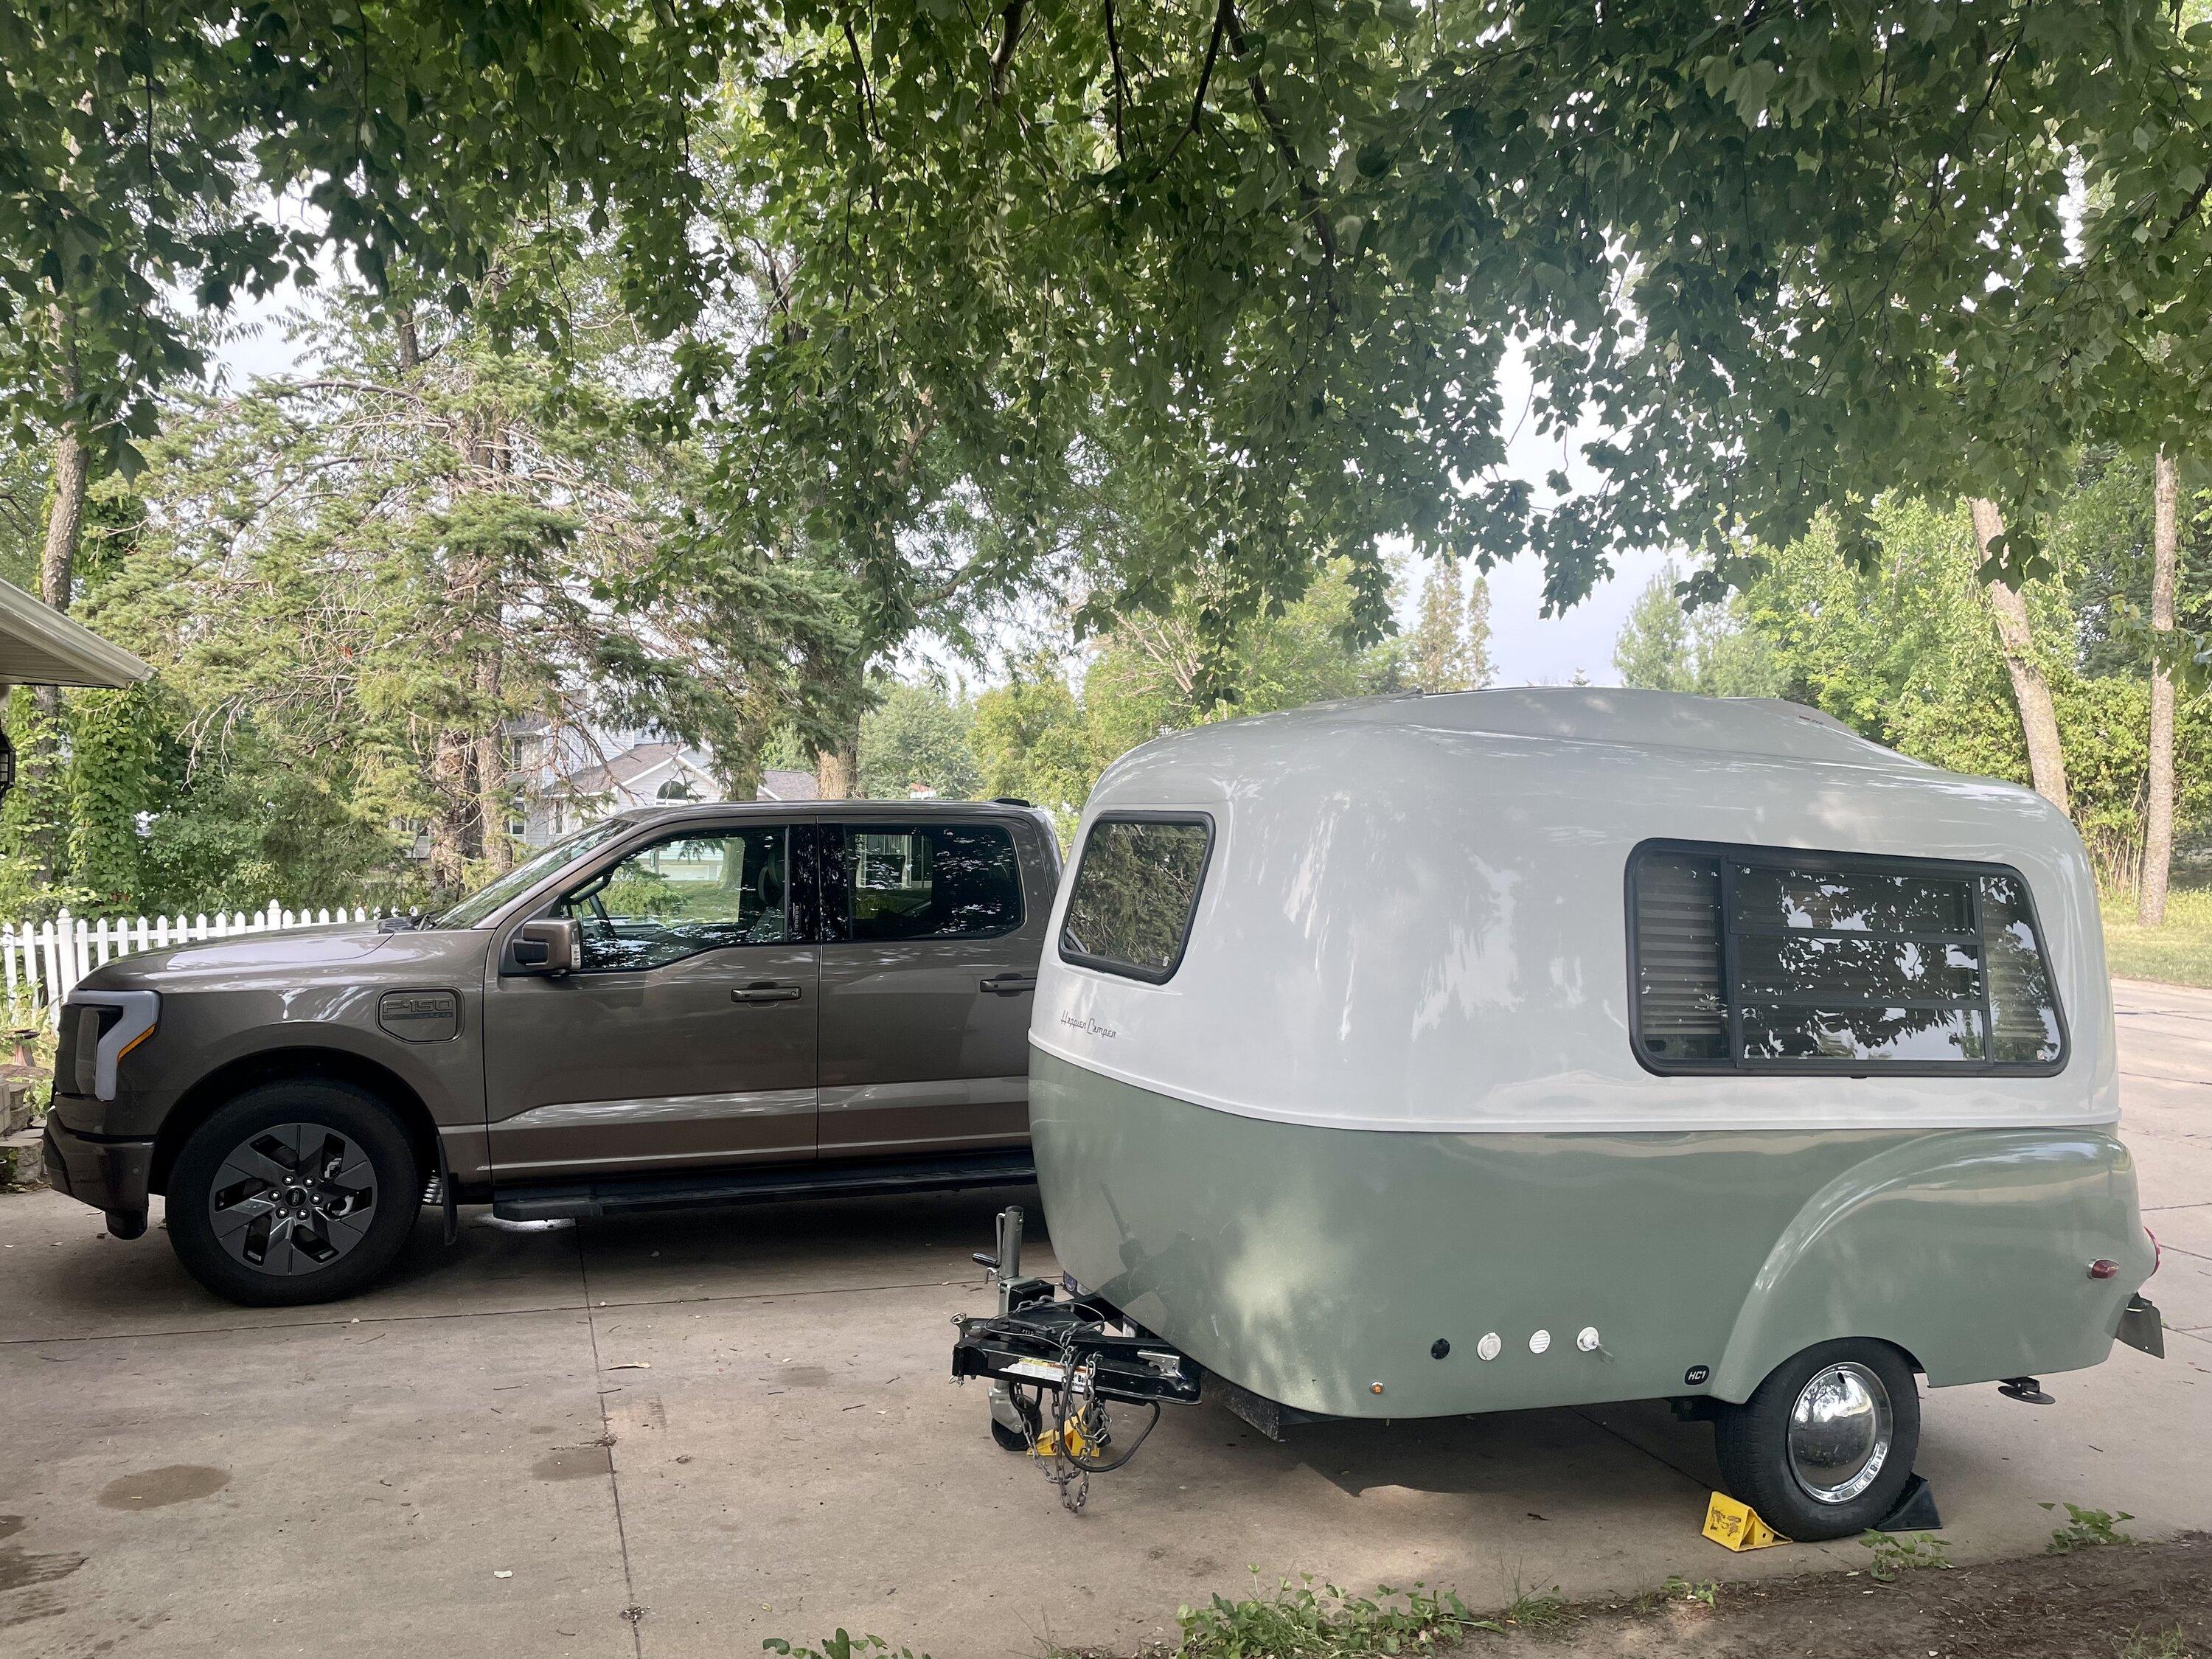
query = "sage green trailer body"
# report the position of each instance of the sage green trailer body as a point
(1311, 1265)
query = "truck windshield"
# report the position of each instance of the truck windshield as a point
(485, 899)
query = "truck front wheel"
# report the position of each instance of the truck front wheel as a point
(293, 1192)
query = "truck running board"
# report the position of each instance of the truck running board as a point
(576, 1199)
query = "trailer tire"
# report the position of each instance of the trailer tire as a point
(1823, 1446)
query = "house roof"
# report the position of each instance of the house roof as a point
(39, 645)
(623, 770)
(781, 783)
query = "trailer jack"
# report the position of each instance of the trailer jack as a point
(1057, 1364)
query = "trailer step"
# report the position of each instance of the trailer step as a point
(579, 1199)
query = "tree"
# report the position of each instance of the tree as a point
(2158, 812)
(1449, 648)
(1033, 742)
(1654, 650)
(1907, 653)
(361, 585)
(917, 735)
(2031, 693)
(1226, 293)
(1712, 650)
(1312, 232)
(1040, 738)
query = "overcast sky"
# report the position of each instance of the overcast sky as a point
(1526, 649)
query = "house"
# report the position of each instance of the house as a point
(641, 772)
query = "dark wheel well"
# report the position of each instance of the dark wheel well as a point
(226, 1083)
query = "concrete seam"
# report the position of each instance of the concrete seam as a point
(632, 1613)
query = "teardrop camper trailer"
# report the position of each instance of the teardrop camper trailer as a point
(1440, 1055)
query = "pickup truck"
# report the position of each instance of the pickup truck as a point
(686, 1005)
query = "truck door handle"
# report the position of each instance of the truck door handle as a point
(767, 990)
(1008, 985)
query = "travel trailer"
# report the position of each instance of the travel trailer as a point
(1437, 1055)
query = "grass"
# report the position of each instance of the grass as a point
(2179, 953)
(2164, 1645)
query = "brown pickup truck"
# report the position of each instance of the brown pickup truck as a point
(685, 1005)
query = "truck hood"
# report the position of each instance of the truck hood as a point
(353, 949)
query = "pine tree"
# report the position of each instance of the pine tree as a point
(1449, 650)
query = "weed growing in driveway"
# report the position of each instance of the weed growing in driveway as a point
(1536, 1609)
(2087, 1528)
(839, 1646)
(2164, 1645)
(1707, 1592)
(1893, 1555)
(1300, 1621)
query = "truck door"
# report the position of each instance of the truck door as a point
(686, 1037)
(929, 961)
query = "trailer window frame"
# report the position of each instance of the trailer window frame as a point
(1814, 861)
(1121, 969)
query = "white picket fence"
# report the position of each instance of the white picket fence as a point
(42, 962)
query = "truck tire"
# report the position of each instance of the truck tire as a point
(293, 1192)
(1824, 1447)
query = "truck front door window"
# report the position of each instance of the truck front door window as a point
(682, 896)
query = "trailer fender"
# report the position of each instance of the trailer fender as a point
(1970, 1250)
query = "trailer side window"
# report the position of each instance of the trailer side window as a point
(1757, 959)
(1129, 908)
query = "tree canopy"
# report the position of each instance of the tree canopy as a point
(1244, 271)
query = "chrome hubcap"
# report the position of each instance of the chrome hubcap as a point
(1840, 1431)
(293, 1199)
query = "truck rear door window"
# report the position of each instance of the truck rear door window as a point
(1759, 959)
(935, 881)
(1135, 891)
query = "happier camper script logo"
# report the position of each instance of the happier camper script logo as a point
(1087, 1026)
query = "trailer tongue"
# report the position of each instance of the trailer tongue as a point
(1055, 1367)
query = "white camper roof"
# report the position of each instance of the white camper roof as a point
(1414, 914)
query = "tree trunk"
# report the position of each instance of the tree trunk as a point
(456, 811)
(837, 771)
(40, 760)
(64, 521)
(2031, 693)
(2158, 815)
(65, 518)
(494, 788)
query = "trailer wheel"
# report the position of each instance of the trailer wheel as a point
(1824, 1447)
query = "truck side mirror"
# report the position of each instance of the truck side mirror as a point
(552, 946)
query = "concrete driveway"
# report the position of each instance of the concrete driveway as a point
(679, 1436)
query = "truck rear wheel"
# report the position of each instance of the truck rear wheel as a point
(295, 1192)
(1825, 1446)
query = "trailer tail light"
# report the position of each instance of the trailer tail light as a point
(2101, 1268)
(2157, 1254)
